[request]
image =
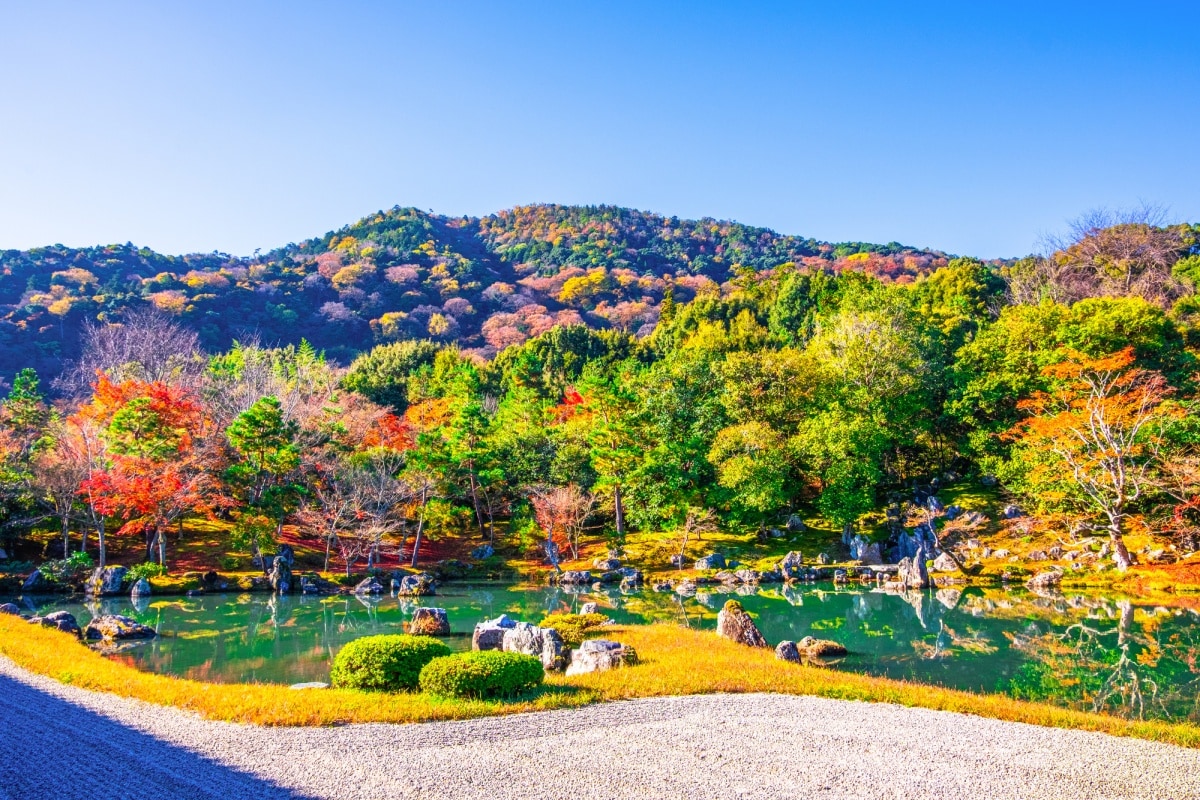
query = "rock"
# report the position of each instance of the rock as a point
(735, 624)
(952, 512)
(820, 648)
(545, 643)
(482, 552)
(286, 555)
(678, 561)
(792, 565)
(934, 504)
(823, 559)
(600, 655)
(725, 576)
(368, 586)
(989, 481)
(944, 563)
(770, 576)
(630, 585)
(748, 576)
(281, 574)
(1054, 553)
(840, 576)
(429, 622)
(416, 585)
(775, 533)
(309, 685)
(114, 627)
(711, 561)
(106, 582)
(686, 588)
(36, 582)
(787, 651)
(589, 608)
(489, 634)
(949, 597)
(574, 576)
(1036, 555)
(140, 589)
(607, 564)
(612, 576)
(661, 586)
(1012, 512)
(315, 584)
(974, 544)
(214, 582)
(1049, 579)
(1001, 553)
(10, 608)
(62, 621)
(913, 572)
(794, 523)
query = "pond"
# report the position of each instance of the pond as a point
(1084, 651)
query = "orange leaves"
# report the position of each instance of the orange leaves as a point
(429, 415)
(389, 432)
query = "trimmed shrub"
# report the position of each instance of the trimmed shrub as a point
(389, 663)
(573, 627)
(147, 569)
(482, 674)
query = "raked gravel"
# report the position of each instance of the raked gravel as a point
(58, 741)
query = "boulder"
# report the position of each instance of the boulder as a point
(795, 523)
(934, 504)
(600, 655)
(735, 624)
(213, 582)
(787, 651)
(141, 588)
(952, 512)
(315, 584)
(661, 586)
(489, 634)
(989, 481)
(114, 627)
(36, 582)
(944, 563)
(725, 576)
(10, 608)
(612, 576)
(1012, 512)
(678, 561)
(482, 552)
(791, 566)
(281, 574)
(106, 582)
(812, 647)
(1036, 555)
(416, 585)
(607, 564)
(286, 555)
(711, 561)
(545, 643)
(429, 622)
(589, 608)
(1049, 579)
(823, 559)
(62, 621)
(368, 586)
(913, 573)
(770, 576)
(631, 574)
(748, 576)
(574, 576)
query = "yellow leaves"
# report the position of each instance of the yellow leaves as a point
(348, 276)
(858, 258)
(438, 325)
(60, 307)
(171, 301)
(74, 275)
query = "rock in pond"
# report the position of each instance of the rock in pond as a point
(599, 655)
(944, 563)
(545, 643)
(114, 627)
(913, 573)
(428, 621)
(791, 566)
(574, 577)
(735, 624)
(281, 575)
(140, 589)
(1049, 579)
(368, 586)
(711, 561)
(63, 621)
(37, 582)
(607, 564)
(416, 585)
(812, 647)
(489, 634)
(106, 582)
(787, 651)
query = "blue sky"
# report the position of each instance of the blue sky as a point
(969, 127)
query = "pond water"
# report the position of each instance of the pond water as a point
(1085, 651)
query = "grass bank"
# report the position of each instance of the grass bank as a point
(675, 661)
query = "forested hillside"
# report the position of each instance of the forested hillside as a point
(484, 284)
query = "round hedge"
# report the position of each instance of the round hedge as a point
(482, 674)
(389, 663)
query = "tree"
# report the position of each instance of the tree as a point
(1095, 439)
(146, 346)
(264, 442)
(561, 511)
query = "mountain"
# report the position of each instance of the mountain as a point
(484, 283)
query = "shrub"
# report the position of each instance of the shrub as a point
(389, 663)
(147, 569)
(67, 570)
(573, 627)
(482, 674)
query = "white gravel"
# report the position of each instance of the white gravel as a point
(63, 742)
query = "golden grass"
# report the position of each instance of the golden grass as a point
(675, 661)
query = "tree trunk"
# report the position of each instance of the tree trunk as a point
(1120, 551)
(475, 502)
(101, 543)
(619, 508)
(162, 550)
(420, 529)
(66, 534)
(328, 547)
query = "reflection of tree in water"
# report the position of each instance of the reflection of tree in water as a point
(1121, 667)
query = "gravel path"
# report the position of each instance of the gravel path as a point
(64, 742)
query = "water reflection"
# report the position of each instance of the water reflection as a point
(1086, 651)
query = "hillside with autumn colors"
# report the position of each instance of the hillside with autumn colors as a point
(484, 283)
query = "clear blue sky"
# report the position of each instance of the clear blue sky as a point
(970, 127)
